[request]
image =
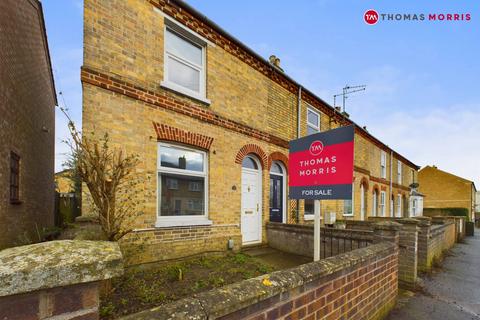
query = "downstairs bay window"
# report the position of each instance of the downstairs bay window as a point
(182, 186)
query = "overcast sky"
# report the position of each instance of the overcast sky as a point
(423, 84)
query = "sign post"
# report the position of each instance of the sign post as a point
(320, 166)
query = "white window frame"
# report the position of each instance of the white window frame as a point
(399, 172)
(311, 125)
(190, 37)
(190, 220)
(399, 206)
(414, 208)
(383, 164)
(375, 203)
(353, 204)
(383, 196)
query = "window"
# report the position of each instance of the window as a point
(194, 186)
(348, 205)
(180, 171)
(399, 205)
(14, 178)
(309, 208)
(392, 206)
(382, 203)
(414, 208)
(313, 121)
(184, 62)
(375, 203)
(399, 172)
(383, 164)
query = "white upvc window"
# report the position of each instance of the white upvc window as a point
(414, 208)
(399, 172)
(348, 205)
(399, 206)
(375, 204)
(382, 203)
(181, 170)
(313, 121)
(383, 164)
(184, 62)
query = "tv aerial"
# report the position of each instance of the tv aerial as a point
(346, 91)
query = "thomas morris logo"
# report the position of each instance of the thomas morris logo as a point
(316, 148)
(372, 17)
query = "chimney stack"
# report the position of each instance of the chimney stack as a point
(275, 61)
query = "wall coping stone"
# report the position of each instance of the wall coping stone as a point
(387, 225)
(57, 264)
(408, 221)
(234, 297)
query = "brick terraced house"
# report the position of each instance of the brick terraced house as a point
(445, 190)
(27, 124)
(211, 121)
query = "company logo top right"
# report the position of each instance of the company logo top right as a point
(372, 17)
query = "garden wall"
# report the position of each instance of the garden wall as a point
(57, 280)
(360, 284)
(298, 239)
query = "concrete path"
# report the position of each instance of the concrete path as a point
(451, 292)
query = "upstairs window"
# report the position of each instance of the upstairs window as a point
(184, 63)
(14, 178)
(313, 121)
(399, 172)
(383, 164)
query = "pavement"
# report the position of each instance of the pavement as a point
(450, 292)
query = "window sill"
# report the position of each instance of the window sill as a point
(16, 202)
(180, 90)
(310, 217)
(348, 215)
(183, 223)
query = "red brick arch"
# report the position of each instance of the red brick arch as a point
(167, 133)
(375, 187)
(278, 156)
(364, 182)
(252, 149)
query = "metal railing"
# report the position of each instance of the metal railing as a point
(336, 241)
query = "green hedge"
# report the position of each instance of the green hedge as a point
(458, 212)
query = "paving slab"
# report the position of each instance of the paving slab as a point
(450, 292)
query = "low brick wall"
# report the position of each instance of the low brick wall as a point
(57, 280)
(298, 239)
(434, 240)
(361, 284)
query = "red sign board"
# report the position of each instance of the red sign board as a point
(320, 165)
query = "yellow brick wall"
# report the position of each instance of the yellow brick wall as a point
(444, 190)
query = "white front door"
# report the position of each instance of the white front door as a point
(251, 206)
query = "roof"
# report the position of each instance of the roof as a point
(450, 174)
(348, 121)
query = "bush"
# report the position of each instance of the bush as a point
(458, 212)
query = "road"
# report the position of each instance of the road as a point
(451, 292)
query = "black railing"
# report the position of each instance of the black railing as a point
(337, 241)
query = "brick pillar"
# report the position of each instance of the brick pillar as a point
(386, 231)
(424, 235)
(408, 246)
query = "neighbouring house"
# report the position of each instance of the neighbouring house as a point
(477, 205)
(211, 121)
(445, 190)
(63, 182)
(27, 124)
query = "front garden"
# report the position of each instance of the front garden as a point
(145, 287)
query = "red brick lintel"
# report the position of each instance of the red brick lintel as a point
(161, 100)
(167, 133)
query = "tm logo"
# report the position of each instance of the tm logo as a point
(316, 148)
(370, 16)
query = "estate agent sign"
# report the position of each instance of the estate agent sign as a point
(320, 165)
